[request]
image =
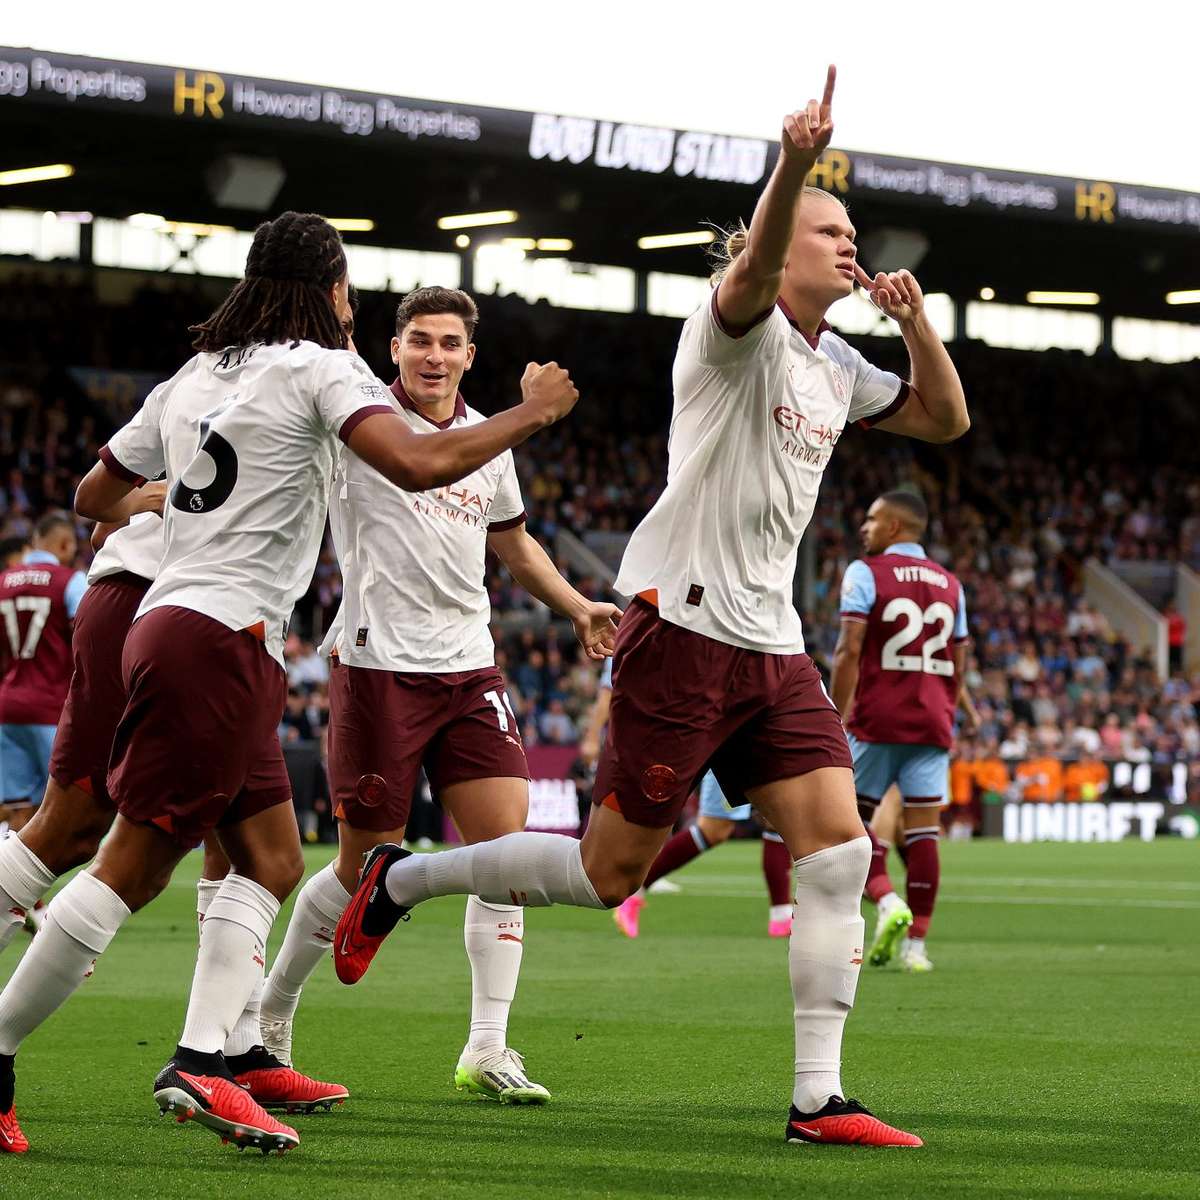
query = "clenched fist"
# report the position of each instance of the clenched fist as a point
(549, 391)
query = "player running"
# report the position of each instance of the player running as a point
(246, 433)
(414, 683)
(38, 601)
(710, 668)
(714, 826)
(897, 680)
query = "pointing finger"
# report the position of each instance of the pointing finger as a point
(830, 80)
(862, 277)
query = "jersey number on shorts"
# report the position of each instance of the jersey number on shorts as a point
(204, 499)
(902, 608)
(39, 607)
(500, 703)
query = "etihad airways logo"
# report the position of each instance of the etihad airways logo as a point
(806, 443)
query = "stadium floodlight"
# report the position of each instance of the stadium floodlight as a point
(1187, 297)
(502, 216)
(352, 224)
(987, 293)
(462, 241)
(144, 220)
(665, 241)
(519, 243)
(561, 245)
(36, 174)
(1081, 298)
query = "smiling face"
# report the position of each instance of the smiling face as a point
(432, 352)
(820, 264)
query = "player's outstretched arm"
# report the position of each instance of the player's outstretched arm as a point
(751, 285)
(104, 496)
(847, 655)
(416, 462)
(936, 410)
(530, 565)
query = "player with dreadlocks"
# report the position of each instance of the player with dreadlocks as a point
(246, 434)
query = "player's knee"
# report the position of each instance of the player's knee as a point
(612, 883)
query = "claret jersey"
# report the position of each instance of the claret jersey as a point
(915, 614)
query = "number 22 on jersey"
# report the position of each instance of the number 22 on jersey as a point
(901, 608)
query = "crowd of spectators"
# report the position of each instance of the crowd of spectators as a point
(1069, 457)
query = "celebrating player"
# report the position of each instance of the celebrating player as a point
(714, 826)
(246, 433)
(897, 680)
(710, 665)
(414, 683)
(38, 601)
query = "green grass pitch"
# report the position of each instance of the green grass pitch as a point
(1052, 1053)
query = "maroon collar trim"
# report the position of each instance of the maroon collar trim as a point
(406, 401)
(811, 339)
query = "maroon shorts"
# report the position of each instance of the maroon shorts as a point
(197, 745)
(384, 726)
(683, 703)
(97, 696)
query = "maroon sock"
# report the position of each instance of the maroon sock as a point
(777, 870)
(681, 848)
(924, 871)
(878, 883)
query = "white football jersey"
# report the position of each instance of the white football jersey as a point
(755, 421)
(247, 438)
(413, 593)
(136, 547)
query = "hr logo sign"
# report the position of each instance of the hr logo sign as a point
(204, 95)
(1095, 202)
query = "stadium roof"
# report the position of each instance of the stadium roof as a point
(185, 143)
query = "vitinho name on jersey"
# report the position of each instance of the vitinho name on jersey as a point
(921, 575)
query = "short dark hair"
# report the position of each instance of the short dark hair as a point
(429, 301)
(293, 262)
(12, 545)
(51, 521)
(911, 505)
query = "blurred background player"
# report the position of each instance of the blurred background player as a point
(710, 665)
(254, 418)
(714, 825)
(414, 683)
(898, 677)
(38, 601)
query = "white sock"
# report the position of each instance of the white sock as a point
(886, 904)
(24, 880)
(80, 922)
(825, 956)
(531, 869)
(206, 892)
(309, 936)
(780, 912)
(233, 943)
(916, 944)
(246, 1032)
(494, 936)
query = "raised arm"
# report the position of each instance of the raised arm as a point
(751, 285)
(416, 462)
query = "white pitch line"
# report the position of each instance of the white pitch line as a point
(998, 881)
(1046, 901)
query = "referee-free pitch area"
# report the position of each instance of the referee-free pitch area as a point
(1052, 1052)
